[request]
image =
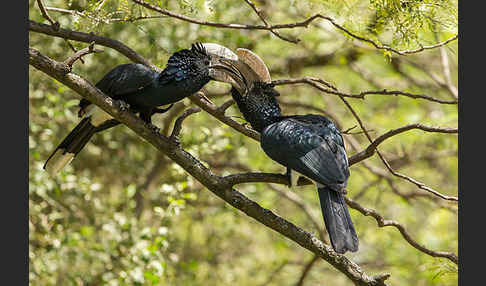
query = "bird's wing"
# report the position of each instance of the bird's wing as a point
(125, 79)
(311, 145)
(121, 80)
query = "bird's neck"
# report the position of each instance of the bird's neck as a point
(259, 111)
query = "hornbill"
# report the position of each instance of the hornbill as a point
(310, 145)
(144, 89)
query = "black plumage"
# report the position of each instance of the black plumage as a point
(309, 144)
(144, 89)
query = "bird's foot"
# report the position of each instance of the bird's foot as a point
(153, 127)
(176, 140)
(123, 105)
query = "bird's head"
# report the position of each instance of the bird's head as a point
(249, 75)
(212, 60)
(253, 89)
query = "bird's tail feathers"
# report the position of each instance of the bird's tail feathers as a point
(72, 144)
(337, 220)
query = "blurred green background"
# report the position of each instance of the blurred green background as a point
(123, 214)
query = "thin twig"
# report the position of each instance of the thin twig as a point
(55, 24)
(315, 83)
(88, 50)
(223, 107)
(306, 270)
(370, 150)
(178, 123)
(90, 37)
(420, 185)
(382, 223)
(276, 33)
(45, 14)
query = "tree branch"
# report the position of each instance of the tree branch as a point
(370, 150)
(178, 123)
(315, 82)
(276, 33)
(217, 185)
(88, 50)
(88, 38)
(419, 184)
(382, 223)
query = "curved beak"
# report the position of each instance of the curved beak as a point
(241, 70)
(238, 73)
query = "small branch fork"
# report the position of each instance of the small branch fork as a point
(276, 33)
(77, 56)
(54, 24)
(174, 136)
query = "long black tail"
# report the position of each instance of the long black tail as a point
(338, 222)
(70, 146)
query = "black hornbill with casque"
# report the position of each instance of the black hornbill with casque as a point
(144, 89)
(310, 145)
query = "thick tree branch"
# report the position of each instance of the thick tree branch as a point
(88, 38)
(217, 185)
(218, 112)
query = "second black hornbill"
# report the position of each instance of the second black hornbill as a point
(310, 145)
(144, 90)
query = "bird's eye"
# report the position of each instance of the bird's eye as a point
(206, 62)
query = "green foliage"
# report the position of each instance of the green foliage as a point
(122, 214)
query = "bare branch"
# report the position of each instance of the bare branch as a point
(219, 114)
(226, 105)
(106, 21)
(178, 123)
(88, 38)
(294, 198)
(88, 50)
(46, 15)
(382, 223)
(55, 24)
(370, 150)
(417, 183)
(306, 270)
(276, 33)
(315, 82)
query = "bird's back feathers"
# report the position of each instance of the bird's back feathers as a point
(311, 145)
